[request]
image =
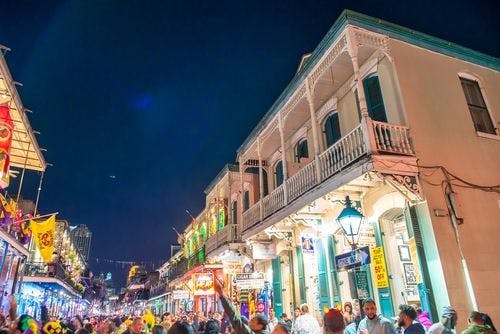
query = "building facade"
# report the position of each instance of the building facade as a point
(82, 237)
(398, 126)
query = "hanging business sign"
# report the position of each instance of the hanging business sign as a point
(414, 258)
(249, 281)
(180, 294)
(307, 242)
(264, 251)
(230, 267)
(203, 284)
(378, 260)
(362, 284)
(356, 258)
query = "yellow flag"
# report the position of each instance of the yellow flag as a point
(43, 233)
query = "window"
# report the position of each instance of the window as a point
(278, 174)
(246, 200)
(332, 129)
(234, 212)
(374, 100)
(301, 150)
(477, 106)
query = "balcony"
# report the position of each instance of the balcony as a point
(223, 237)
(383, 138)
(51, 271)
(185, 264)
(158, 289)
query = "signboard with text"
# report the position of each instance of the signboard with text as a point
(180, 294)
(414, 258)
(264, 251)
(381, 278)
(203, 284)
(356, 258)
(250, 281)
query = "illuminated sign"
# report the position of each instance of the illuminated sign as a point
(203, 284)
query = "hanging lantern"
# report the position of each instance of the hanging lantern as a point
(6, 129)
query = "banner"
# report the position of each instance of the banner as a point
(307, 242)
(44, 233)
(6, 129)
(379, 267)
(250, 281)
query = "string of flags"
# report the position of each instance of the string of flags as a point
(124, 263)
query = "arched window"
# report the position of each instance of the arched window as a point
(278, 174)
(234, 212)
(246, 200)
(255, 170)
(374, 100)
(332, 129)
(301, 150)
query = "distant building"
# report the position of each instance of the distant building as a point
(82, 236)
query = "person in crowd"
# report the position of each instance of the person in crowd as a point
(348, 313)
(180, 327)
(285, 320)
(158, 329)
(82, 330)
(352, 328)
(257, 324)
(407, 320)
(195, 323)
(423, 317)
(166, 320)
(212, 327)
(273, 321)
(374, 323)
(333, 322)
(136, 327)
(306, 323)
(477, 325)
(447, 324)
(280, 329)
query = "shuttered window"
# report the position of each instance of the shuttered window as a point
(477, 107)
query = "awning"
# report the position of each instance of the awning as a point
(51, 282)
(25, 152)
(13, 242)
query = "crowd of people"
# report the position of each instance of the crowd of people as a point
(410, 320)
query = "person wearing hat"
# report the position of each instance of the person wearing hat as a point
(477, 325)
(256, 325)
(447, 324)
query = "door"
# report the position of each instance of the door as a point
(374, 100)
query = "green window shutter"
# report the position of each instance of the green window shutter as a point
(234, 212)
(324, 291)
(277, 287)
(246, 200)
(374, 100)
(302, 279)
(278, 173)
(334, 281)
(332, 129)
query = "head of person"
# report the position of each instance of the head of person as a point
(476, 318)
(333, 322)
(284, 316)
(370, 308)
(166, 316)
(449, 317)
(137, 325)
(304, 309)
(280, 329)
(180, 327)
(82, 331)
(158, 329)
(296, 312)
(258, 322)
(212, 327)
(406, 316)
(348, 307)
(271, 313)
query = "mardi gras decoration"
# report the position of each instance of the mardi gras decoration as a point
(52, 327)
(44, 233)
(149, 319)
(7, 211)
(27, 324)
(6, 129)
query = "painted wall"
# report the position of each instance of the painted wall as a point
(443, 135)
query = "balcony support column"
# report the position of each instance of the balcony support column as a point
(283, 158)
(261, 177)
(242, 192)
(314, 125)
(366, 122)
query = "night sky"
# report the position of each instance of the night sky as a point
(141, 103)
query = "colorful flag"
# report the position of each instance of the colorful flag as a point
(43, 233)
(6, 129)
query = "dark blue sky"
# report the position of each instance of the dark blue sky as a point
(161, 93)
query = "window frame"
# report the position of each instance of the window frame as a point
(482, 91)
(325, 119)
(296, 151)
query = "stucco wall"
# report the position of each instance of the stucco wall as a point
(443, 135)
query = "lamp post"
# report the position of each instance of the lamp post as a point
(350, 221)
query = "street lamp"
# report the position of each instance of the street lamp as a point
(350, 220)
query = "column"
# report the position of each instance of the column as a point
(314, 124)
(283, 158)
(261, 177)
